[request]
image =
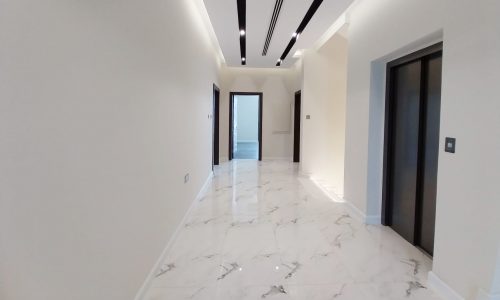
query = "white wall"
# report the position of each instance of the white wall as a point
(495, 286)
(324, 90)
(467, 225)
(278, 87)
(247, 118)
(92, 96)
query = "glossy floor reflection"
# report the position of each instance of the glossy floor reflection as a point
(246, 150)
(262, 231)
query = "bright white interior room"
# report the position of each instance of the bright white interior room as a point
(372, 126)
(246, 127)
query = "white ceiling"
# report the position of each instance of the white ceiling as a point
(224, 17)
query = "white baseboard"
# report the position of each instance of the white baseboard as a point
(277, 158)
(441, 288)
(355, 212)
(200, 193)
(149, 279)
(482, 295)
(361, 216)
(373, 219)
(329, 191)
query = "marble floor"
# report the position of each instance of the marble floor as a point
(263, 231)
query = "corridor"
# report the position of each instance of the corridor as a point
(261, 230)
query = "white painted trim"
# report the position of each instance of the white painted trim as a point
(354, 211)
(149, 279)
(361, 216)
(277, 158)
(482, 295)
(327, 191)
(201, 192)
(373, 219)
(441, 288)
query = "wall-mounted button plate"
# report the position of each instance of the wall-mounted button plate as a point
(449, 145)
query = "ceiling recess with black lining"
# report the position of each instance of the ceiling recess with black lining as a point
(258, 33)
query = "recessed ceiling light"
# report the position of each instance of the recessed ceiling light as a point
(243, 59)
(242, 32)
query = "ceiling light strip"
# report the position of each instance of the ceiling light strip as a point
(272, 25)
(309, 15)
(242, 23)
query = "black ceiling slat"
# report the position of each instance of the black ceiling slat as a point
(288, 48)
(272, 25)
(242, 25)
(242, 13)
(309, 15)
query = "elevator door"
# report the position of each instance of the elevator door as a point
(430, 150)
(406, 115)
(412, 132)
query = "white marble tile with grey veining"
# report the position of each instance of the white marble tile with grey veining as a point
(261, 230)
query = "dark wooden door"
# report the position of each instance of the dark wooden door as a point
(215, 126)
(405, 130)
(430, 153)
(296, 127)
(412, 145)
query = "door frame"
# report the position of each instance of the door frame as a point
(231, 119)
(296, 125)
(215, 125)
(387, 204)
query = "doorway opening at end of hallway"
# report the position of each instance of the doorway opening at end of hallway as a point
(245, 125)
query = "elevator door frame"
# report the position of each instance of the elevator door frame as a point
(387, 204)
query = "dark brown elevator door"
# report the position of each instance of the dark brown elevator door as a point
(425, 238)
(405, 147)
(414, 102)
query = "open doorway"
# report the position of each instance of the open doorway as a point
(245, 125)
